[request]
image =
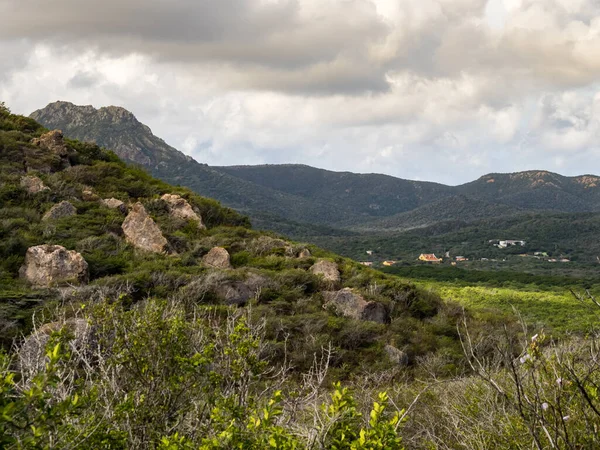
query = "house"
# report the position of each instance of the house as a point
(370, 252)
(510, 242)
(429, 257)
(367, 263)
(461, 258)
(388, 263)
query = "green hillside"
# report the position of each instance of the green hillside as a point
(283, 289)
(137, 314)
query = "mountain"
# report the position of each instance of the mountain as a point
(539, 190)
(117, 129)
(316, 204)
(364, 196)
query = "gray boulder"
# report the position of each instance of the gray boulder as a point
(179, 208)
(396, 356)
(350, 304)
(235, 292)
(142, 232)
(33, 185)
(327, 269)
(49, 265)
(304, 253)
(218, 257)
(62, 209)
(114, 203)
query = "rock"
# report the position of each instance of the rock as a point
(304, 253)
(62, 209)
(179, 208)
(88, 195)
(48, 265)
(350, 304)
(53, 141)
(235, 292)
(142, 232)
(375, 312)
(327, 269)
(32, 353)
(218, 257)
(396, 356)
(33, 185)
(114, 203)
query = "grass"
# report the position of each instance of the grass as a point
(554, 309)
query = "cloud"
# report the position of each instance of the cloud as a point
(428, 89)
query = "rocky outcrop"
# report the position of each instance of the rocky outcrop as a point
(179, 208)
(142, 232)
(396, 356)
(327, 269)
(49, 265)
(114, 203)
(218, 257)
(62, 209)
(33, 185)
(350, 304)
(32, 353)
(54, 142)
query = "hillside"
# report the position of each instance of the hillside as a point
(137, 237)
(138, 314)
(450, 208)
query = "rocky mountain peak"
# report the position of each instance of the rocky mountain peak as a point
(112, 127)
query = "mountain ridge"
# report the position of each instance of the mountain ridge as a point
(275, 195)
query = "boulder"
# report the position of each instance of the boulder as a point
(375, 312)
(396, 356)
(327, 269)
(179, 208)
(32, 353)
(33, 185)
(48, 265)
(235, 292)
(351, 304)
(114, 203)
(304, 253)
(88, 194)
(142, 232)
(62, 209)
(217, 257)
(53, 141)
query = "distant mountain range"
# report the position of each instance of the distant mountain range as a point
(304, 201)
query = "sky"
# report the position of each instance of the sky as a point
(440, 90)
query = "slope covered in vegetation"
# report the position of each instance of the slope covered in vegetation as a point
(163, 321)
(267, 273)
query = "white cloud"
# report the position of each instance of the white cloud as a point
(430, 89)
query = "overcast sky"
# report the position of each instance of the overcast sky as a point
(442, 90)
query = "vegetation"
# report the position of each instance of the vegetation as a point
(156, 352)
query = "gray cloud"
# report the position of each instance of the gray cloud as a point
(428, 89)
